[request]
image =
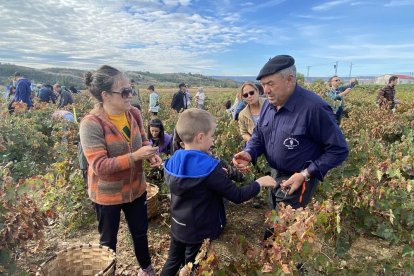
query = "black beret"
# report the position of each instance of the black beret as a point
(276, 64)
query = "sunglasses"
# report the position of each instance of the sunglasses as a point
(125, 92)
(251, 93)
(336, 80)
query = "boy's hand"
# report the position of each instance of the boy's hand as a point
(267, 181)
(241, 160)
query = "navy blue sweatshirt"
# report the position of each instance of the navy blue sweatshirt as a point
(198, 184)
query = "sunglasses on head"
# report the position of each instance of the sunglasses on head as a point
(125, 92)
(251, 93)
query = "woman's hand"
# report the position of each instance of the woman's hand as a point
(145, 152)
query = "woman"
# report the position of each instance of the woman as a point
(115, 145)
(157, 136)
(249, 116)
(200, 98)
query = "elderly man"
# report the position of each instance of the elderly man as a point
(298, 134)
(65, 96)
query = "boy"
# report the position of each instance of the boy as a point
(198, 184)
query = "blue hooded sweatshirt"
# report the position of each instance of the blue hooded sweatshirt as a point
(198, 184)
(23, 92)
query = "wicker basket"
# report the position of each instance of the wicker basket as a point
(79, 260)
(152, 200)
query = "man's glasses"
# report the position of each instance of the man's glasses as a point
(125, 92)
(336, 80)
(251, 93)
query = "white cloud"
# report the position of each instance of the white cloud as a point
(140, 35)
(329, 5)
(398, 3)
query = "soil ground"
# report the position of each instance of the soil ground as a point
(241, 219)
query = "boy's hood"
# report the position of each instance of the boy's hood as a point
(190, 164)
(188, 168)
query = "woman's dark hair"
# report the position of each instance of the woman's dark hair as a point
(228, 104)
(101, 80)
(151, 87)
(156, 123)
(11, 89)
(260, 87)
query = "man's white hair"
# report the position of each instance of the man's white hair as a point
(288, 71)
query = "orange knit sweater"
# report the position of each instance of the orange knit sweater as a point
(113, 176)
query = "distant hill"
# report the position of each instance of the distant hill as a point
(69, 77)
(239, 79)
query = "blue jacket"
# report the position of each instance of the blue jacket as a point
(47, 95)
(23, 92)
(198, 184)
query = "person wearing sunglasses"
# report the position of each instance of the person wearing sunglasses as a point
(296, 132)
(249, 116)
(335, 96)
(115, 145)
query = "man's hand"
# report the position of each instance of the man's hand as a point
(241, 160)
(155, 161)
(293, 183)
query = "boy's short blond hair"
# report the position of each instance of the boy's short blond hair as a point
(193, 121)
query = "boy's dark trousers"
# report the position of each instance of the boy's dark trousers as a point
(136, 217)
(179, 254)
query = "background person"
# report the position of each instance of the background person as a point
(12, 92)
(154, 101)
(249, 116)
(296, 132)
(335, 96)
(188, 96)
(386, 95)
(65, 96)
(200, 98)
(115, 145)
(136, 100)
(179, 100)
(23, 90)
(46, 94)
(158, 137)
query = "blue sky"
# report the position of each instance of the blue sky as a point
(210, 37)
